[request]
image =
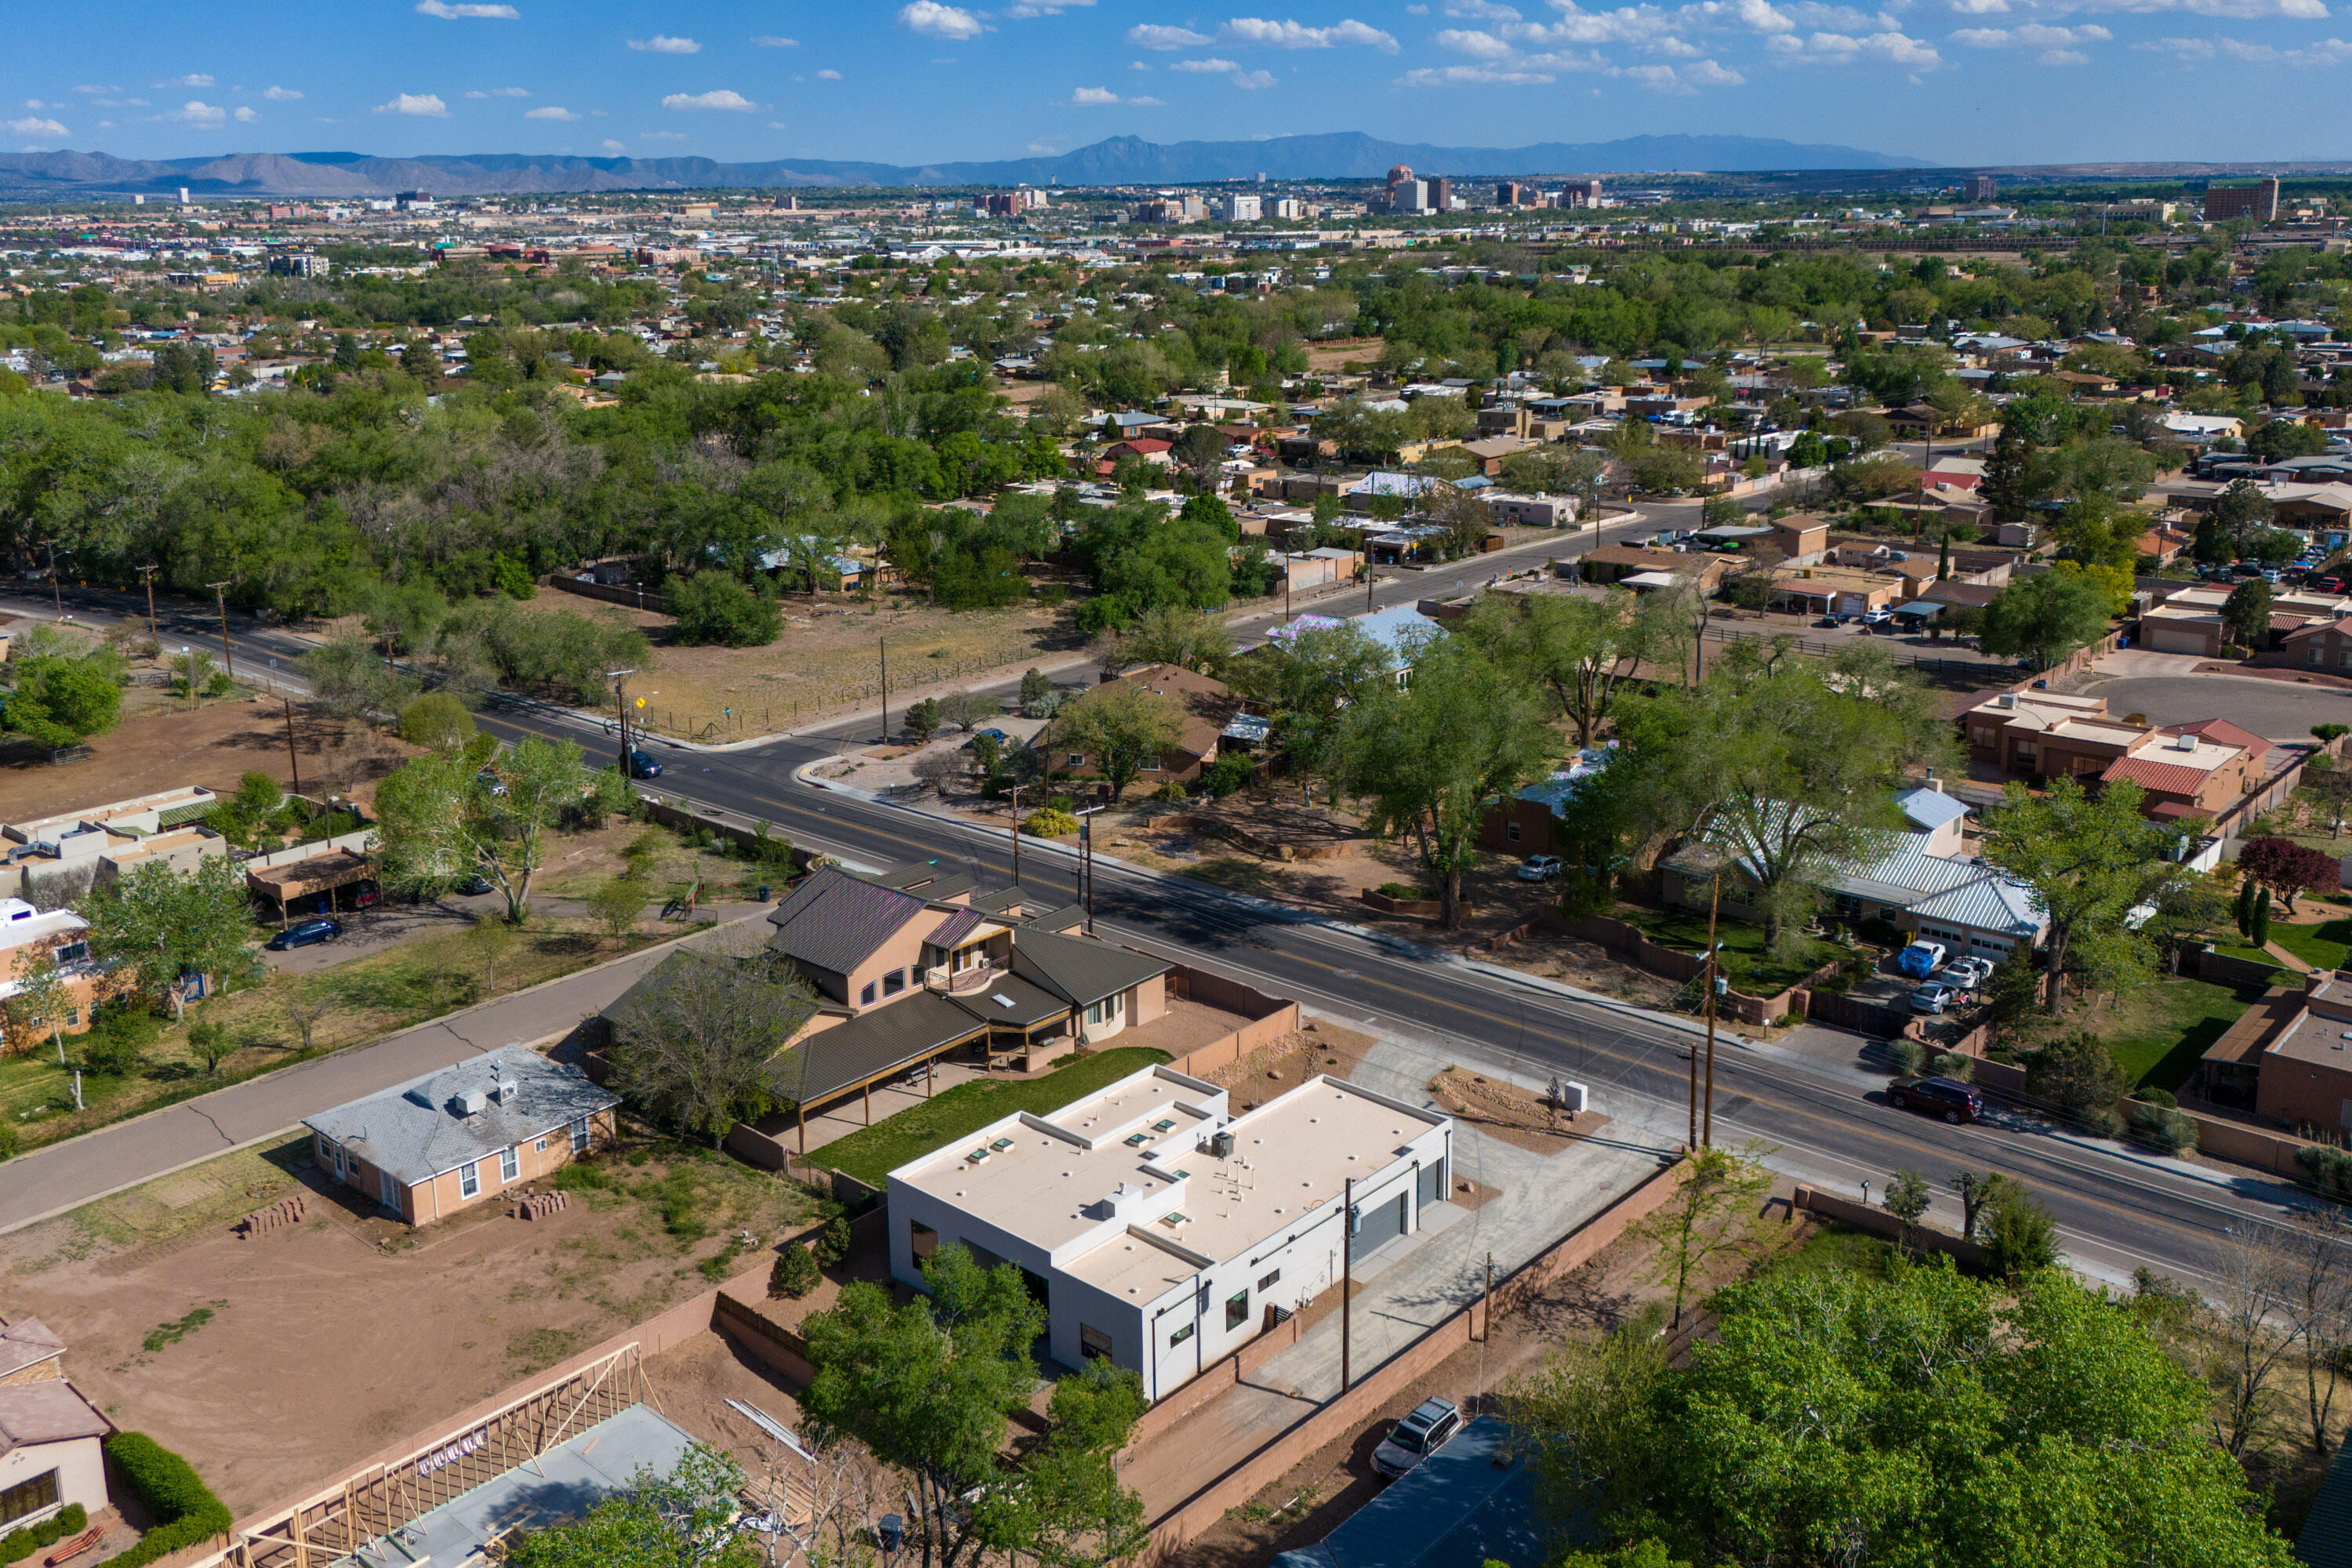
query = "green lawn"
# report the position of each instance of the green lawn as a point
(1834, 1249)
(872, 1152)
(2227, 949)
(2159, 1033)
(2321, 946)
(1744, 962)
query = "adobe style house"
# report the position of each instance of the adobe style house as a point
(463, 1135)
(911, 963)
(51, 1438)
(29, 936)
(52, 861)
(2289, 1058)
(2186, 770)
(1208, 706)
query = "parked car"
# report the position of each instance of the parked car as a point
(1949, 1098)
(642, 765)
(1538, 868)
(1967, 973)
(366, 894)
(302, 933)
(2333, 585)
(1920, 960)
(1936, 996)
(1431, 1424)
(491, 782)
(999, 736)
(471, 884)
(1877, 617)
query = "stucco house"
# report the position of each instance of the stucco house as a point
(51, 1438)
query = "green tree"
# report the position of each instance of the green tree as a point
(60, 701)
(2020, 1235)
(212, 1043)
(1429, 756)
(922, 720)
(442, 818)
(2079, 1075)
(436, 722)
(36, 1005)
(1579, 651)
(2258, 924)
(1304, 683)
(2241, 510)
(1714, 1213)
(696, 1043)
(686, 1519)
(618, 903)
(2246, 613)
(2089, 860)
(1189, 639)
(2044, 617)
(1117, 726)
(171, 925)
(1035, 685)
(713, 607)
(1906, 1199)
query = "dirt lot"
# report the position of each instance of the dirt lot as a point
(1332, 356)
(160, 745)
(828, 658)
(271, 1362)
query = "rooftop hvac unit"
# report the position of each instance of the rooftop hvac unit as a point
(469, 1104)
(1221, 1143)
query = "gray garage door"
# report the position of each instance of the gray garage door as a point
(2176, 639)
(1383, 1222)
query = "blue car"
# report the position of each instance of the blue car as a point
(999, 736)
(642, 765)
(1919, 960)
(302, 933)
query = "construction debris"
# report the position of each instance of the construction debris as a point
(285, 1211)
(538, 1206)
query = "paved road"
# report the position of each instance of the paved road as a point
(2274, 710)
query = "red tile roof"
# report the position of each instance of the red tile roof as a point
(2221, 732)
(2170, 778)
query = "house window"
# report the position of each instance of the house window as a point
(1982, 737)
(2317, 656)
(1077, 759)
(921, 1239)
(866, 997)
(1268, 1280)
(1093, 1343)
(894, 983)
(1236, 1309)
(1094, 1013)
(73, 1018)
(509, 1163)
(1180, 1336)
(71, 952)
(29, 1497)
(470, 1179)
(1150, 763)
(540, 1147)
(1511, 832)
(580, 1136)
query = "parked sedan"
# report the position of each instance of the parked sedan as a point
(302, 933)
(1949, 1098)
(1936, 996)
(1538, 868)
(1431, 1425)
(1967, 973)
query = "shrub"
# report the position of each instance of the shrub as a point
(2151, 1095)
(184, 1508)
(11, 1140)
(713, 607)
(1053, 595)
(72, 1520)
(2078, 1073)
(2329, 1169)
(1406, 893)
(1954, 1065)
(582, 1176)
(1171, 790)
(1049, 823)
(1907, 1054)
(835, 1244)
(436, 722)
(1226, 775)
(795, 1273)
(2329, 731)
(2170, 1129)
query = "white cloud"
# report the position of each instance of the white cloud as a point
(1479, 45)
(279, 94)
(2326, 52)
(1138, 66)
(2061, 57)
(246, 116)
(1146, 103)
(1207, 65)
(613, 146)
(196, 112)
(934, 20)
(717, 98)
(97, 89)
(2032, 36)
(1472, 76)
(1251, 81)
(661, 136)
(1093, 96)
(453, 13)
(424, 103)
(1151, 36)
(1480, 10)
(828, 74)
(196, 79)
(1890, 48)
(660, 45)
(771, 41)
(1290, 35)
(1023, 10)
(776, 125)
(30, 126)
(551, 112)
(2235, 10)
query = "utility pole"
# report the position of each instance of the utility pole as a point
(1286, 583)
(56, 597)
(220, 597)
(1486, 1323)
(883, 643)
(620, 680)
(1347, 1276)
(1016, 835)
(293, 759)
(1086, 864)
(149, 573)
(1714, 899)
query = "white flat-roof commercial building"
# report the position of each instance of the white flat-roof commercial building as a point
(1162, 1231)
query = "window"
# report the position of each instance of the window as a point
(921, 1239)
(540, 1147)
(1077, 759)
(71, 952)
(894, 983)
(1093, 1012)
(469, 1180)
(1149, 762)
(2317, 656)
(387, 1190)
(73, 1018)
(1237, 1310)
(1269, 1279)
(866, 997)
(580, 1136)
(1511, 832)
(509, 1163)
(1093, 1343)
(29, 1497)
(1982, 737)
(1180, 1336)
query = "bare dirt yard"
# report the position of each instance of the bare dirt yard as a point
(829, 658)
(271, 1362)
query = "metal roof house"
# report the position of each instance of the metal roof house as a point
(464, 1134)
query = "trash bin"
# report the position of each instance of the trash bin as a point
(890, 1533)
(763, 892)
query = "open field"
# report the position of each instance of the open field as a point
(328, 1340)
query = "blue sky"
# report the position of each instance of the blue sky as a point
(1957, 81)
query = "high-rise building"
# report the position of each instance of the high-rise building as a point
(1983, 188)
(1511, 194)
(2224, 202)
(1441, 195)
(1241, 209)
(1398, 176)
(1581, 194)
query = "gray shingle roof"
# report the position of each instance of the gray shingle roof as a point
(1012, 1001)
(411, 1131)
(2327, 1537)
(1081, 969)
(835, 921)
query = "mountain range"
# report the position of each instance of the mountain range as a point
(1119, 161)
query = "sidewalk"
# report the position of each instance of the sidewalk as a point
(63, 1176)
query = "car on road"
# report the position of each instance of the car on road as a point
(1949, 1098)
(642, 765)
(1538, 868)
(1936, 996)
(302, 933)
(2332, 585)
(1431, 1425)
(1919, 960)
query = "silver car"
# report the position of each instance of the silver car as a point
(1429, 1427)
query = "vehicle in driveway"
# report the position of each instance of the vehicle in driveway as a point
(1877, 617)
(1968, 973)
(470, 884)
(1427, 1428)
(1949, 1098)
(302, 933)
(1920, 960)
(1936, 996)
(999, 736)
(1538, 868)
(365, 894)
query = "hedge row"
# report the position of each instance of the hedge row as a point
(184, 1508)
(72, 1520)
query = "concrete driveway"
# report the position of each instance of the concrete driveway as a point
(2134, 662)
(2273, 710)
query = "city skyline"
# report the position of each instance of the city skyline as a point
(1950, 82)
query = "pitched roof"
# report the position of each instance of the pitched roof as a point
(1081, 969)
(1008, 999)
(955, 928)
(836, 921)
(411, 1131)
(49, 1410)
(1930, 808)
(2327, 1537)
(28, 1341)
(2221, 732)
(938, 880)
(821, 1064)
(2169, 777)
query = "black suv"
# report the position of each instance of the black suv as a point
(1946, 1097)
